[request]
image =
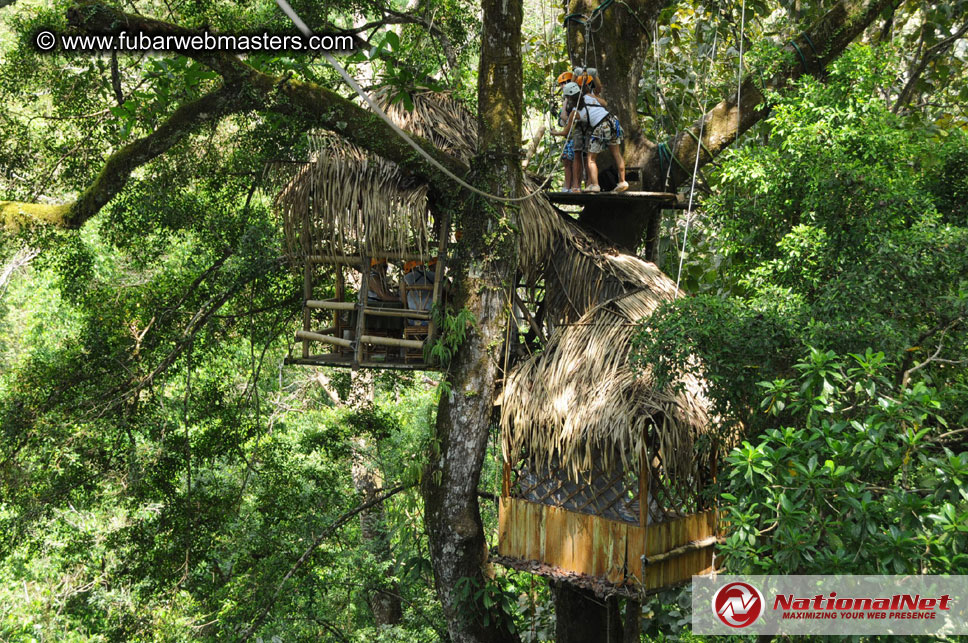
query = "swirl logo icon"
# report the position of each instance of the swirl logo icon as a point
(738, 604)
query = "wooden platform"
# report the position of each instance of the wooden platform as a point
(617, 557)
(346, 361)
(584, 198)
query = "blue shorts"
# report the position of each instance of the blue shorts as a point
(568, 153)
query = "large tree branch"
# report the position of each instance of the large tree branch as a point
(245, 88)
(931, 54)
(119, 165)
(727, 120)
(336, 524)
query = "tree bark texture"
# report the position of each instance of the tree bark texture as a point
(484, 271)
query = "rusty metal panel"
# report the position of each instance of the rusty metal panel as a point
(533, 526)
(636, 548)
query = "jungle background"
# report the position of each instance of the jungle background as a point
(164, 477)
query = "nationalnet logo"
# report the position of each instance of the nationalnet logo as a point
(830, 605)
(738, 604)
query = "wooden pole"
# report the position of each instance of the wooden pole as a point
(527, 315)
(307, 282)
(309, 336)
(396, 312)
(440, 272)
(340, 296)
(679, 551)
(365, 270)
(330, 305)
(533, 147)
(356, 261)
(391, 341)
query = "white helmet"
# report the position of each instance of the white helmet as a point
(570, 89)
(578, 71)
(591, 71)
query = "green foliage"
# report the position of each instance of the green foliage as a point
(452, 327)
(495, 595)
(868, 478)
(836, 234)
(845, 231)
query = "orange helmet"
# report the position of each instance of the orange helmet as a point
(565, 76)
(376, 262)
(410, 265)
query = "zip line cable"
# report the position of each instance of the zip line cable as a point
(296, 20)
(695, 169)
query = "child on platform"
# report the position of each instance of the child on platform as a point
(568, 152)
(604, 132)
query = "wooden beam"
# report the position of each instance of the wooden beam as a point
(391, 341)
(685, 549)
(330, 305)
(398, 312)
(356, 261)
(309, 336)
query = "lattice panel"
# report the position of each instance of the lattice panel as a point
(611, 494)
(673, 496)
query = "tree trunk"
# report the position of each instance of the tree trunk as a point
(483, 274)
(582, 617)
(633, 621)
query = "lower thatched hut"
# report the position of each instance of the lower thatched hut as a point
(603, 472)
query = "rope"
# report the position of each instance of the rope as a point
(698, 139)
(642, 26)
(802, 59)
(296, 20)
(809, 42)
(695, 170)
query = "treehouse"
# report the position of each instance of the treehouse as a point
(372, 257)
(603, 474)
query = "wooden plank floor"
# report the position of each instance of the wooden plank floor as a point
(346, 361)
(582, 198)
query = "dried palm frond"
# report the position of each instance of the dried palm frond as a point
(438, 117)
(581, 396)
(349, 203)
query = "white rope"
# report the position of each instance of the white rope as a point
(296, 20)
(695, 169)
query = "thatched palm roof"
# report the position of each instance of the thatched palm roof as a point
(580, 399)
(345, 196)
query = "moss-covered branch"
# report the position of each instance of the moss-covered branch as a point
(118, 166)
(245, 88)
(15, 215)
(317, 105)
